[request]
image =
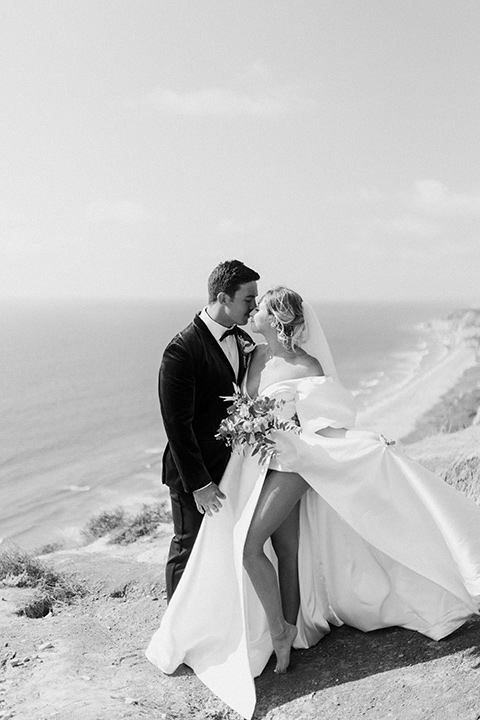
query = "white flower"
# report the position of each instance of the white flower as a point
(250, 423)
(243, 411)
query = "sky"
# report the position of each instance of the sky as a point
(332, 145)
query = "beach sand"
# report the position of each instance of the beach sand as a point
(425, 400)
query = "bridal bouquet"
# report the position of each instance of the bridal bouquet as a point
(250, 422)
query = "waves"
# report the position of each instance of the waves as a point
(447, 348)
(77, 488)
(435, 340)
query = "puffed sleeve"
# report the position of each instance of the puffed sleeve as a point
(322, 402)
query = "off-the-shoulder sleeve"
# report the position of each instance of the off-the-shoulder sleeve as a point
(321, 402)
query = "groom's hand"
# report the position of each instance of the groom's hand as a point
(208, 498)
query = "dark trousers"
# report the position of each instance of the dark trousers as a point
(186, 524)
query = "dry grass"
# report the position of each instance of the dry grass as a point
(48, 548)
(464, 475)
(454, 458)
(104, 523)
(455, 411)
(21, 569)
(124, 528)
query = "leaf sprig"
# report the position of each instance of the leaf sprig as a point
(250, 421)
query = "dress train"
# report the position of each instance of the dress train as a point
(382, 542)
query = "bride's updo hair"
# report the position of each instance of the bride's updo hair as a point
(285, 308)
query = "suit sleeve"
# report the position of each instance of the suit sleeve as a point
(177, 402)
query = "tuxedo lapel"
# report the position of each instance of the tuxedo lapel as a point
(213, 345)
(243, 341)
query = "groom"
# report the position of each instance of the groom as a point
(199, 366)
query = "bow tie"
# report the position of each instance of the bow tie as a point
(238, 332)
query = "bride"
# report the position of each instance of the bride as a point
(340, 527)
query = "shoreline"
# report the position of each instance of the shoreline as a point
(422, 406)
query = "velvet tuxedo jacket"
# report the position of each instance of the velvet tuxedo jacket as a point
(194, 374)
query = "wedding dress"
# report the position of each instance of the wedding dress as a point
(383, 542)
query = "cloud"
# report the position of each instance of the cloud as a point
(250, 226)
(213, 102)
(252, 92)
(433, 197)
(124, 212)
(10, 217)
(410, 249)
(409, 225)
(425, 198)
(426, 220)
(230, 227)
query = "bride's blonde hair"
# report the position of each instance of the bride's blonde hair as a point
(286, 309)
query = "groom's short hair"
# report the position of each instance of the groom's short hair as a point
(227, 277)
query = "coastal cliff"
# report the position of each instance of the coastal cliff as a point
(84, 659)
(442, 391)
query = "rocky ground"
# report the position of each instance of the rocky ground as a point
(86, 661)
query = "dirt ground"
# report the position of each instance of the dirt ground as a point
(87, 661)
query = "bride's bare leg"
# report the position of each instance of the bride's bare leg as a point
(279, 496)
(285, 544)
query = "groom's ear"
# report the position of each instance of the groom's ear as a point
(222, 298)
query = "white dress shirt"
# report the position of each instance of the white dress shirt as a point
(229, 345)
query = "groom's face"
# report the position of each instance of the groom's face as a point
(239, 307)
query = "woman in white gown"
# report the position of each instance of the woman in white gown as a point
(381, 540)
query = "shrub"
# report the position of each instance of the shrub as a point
(48, 548)
(144, 523)
(21, 569)
(125, 528)
(103, 523)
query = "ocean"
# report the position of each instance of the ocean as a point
(80, 427)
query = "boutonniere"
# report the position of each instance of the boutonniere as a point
(246, 345)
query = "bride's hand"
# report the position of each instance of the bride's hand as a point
(207, 499)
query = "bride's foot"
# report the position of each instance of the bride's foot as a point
(282, 644)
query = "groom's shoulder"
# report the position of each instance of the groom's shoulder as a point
(191, 334)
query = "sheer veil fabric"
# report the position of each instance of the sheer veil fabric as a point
(315, 343)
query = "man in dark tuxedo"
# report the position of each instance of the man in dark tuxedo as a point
(199, 366)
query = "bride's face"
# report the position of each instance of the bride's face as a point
(260, 318)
